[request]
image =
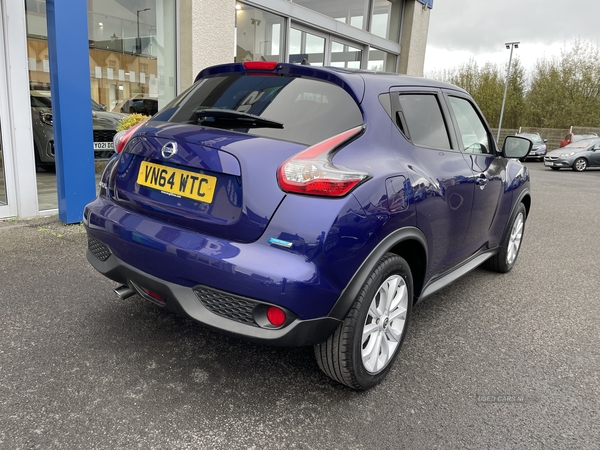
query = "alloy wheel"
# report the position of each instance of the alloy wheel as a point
(516, 235)
(580, 165)
(384, 324)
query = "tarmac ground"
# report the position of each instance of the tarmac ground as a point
(490, 362)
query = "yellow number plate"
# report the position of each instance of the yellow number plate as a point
(180, 183)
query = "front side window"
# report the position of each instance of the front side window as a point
(472, 131)
(294, 109)
(425, 125)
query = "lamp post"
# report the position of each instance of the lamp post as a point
(511, 46)
(138, 40)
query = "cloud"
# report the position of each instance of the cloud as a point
(481, 26)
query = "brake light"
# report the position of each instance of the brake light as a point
(122, 137)
(312, 172)
(260, 65)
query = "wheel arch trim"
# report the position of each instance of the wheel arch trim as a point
(525, 198)
(346, 299)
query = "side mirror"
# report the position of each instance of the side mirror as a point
(545, 140)
(516, 147)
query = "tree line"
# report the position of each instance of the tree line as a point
(559, 92)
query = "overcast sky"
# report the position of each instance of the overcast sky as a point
(459, 29)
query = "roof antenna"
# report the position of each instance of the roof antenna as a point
(304, 62)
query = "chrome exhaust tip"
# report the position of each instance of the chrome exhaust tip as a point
(124, 292)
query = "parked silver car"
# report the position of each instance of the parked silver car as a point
(104, 126)
(578, 155)
(538, 151)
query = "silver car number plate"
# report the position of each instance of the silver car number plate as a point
(546, 163)
(103, 146)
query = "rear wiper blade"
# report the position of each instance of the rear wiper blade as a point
(234, 119)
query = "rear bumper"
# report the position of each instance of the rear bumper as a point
(184, 301)
(307, 278)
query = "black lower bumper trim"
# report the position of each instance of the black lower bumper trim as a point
(183, 301)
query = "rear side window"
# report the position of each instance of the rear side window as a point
(424, 121)
(302, 110)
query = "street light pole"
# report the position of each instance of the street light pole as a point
(138, 40)
(511, 45)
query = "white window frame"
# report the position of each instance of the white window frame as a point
(15, 113)
(315, 21)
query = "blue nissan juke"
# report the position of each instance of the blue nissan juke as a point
(295, 205)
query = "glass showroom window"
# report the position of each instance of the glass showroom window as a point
(259, 35)
(132, 50)
(132, 54)
(352, 12)
(382, 61)
(307, 47)
(382, 24)
(345, 56)
(384, 15)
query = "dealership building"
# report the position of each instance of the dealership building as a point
(139, 54)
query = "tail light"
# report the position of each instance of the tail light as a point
(122, 137)
(312, 172)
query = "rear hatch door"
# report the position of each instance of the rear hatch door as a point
(208, 161)
(219, 182)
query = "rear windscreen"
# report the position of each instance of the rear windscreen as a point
(302, 110)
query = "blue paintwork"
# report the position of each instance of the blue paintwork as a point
(291, 278)
(70, 84)
(433, 191)
(215, 152)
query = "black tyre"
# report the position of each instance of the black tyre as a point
(555, 168)
(365, 345)
(580, 165)
(505, 259)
